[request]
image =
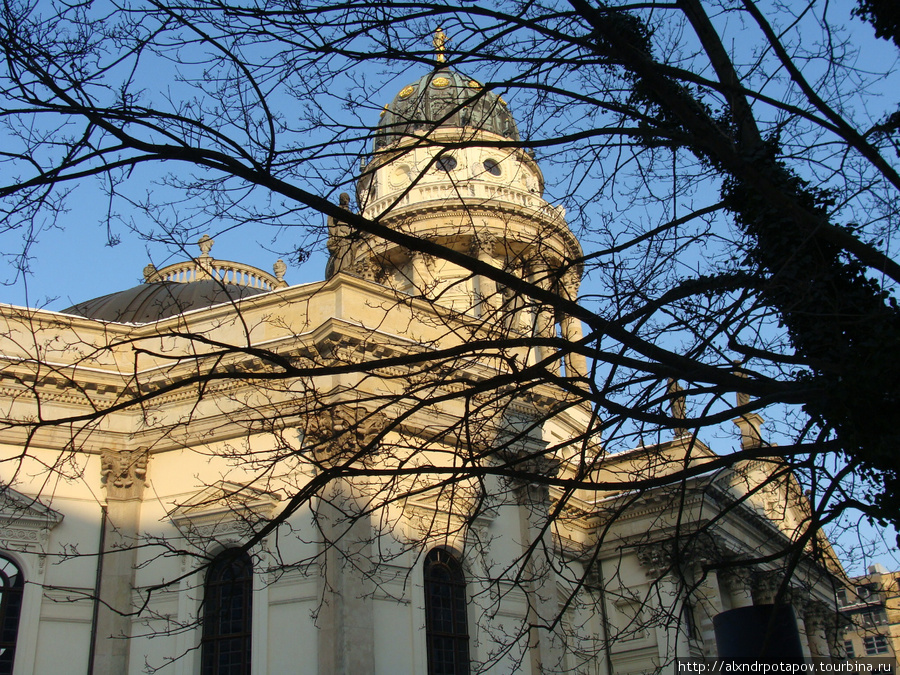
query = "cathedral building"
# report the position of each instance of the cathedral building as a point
(388, 471)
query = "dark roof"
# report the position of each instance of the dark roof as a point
(161, 299)
(447, 99)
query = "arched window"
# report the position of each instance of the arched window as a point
(447, 635)
(227, 607)
(11, 585)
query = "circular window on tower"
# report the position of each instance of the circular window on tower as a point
(446, 163)
(492, 166)
(400, 175)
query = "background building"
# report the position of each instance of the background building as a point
(872, 605)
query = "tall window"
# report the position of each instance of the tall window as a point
(11, 585)
(447, 636)
(227, 607)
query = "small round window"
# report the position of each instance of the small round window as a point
(446, 163)
(492, 167)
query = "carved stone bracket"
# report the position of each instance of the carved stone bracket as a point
(367, 269)
(338, 433)
(484, 243)
(124, 472)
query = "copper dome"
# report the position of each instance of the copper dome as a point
(443, 98)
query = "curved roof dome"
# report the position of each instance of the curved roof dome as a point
(444, 98)
(159, 300)
(192, 284)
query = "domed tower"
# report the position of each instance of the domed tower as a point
(447, 166)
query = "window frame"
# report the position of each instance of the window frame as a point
(875, 645)
(444, 580)
(492, 166)
(13, 592)
(446, 163)
(229, 578)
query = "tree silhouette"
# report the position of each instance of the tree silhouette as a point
(713, 243)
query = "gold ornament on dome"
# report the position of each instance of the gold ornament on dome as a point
(440, 82)
(474, 84)
(500, 98)
(407, 91)
(440, 44)
(384, 110)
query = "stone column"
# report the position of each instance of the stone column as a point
(707, 603)
(815, 618)
(545, 319)
(800, 603)
(346, 620)
(835, 626)
(576, 363)
(422, 278)
(483, 250)
(656, 558)
(767, 588)
(124, 474)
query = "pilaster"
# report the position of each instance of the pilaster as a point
(544, 645)
(346, 619)
(124, 474)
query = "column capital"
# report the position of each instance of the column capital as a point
(483, 243)
(735, 578)
(342, 431)
(124, 472)
(766, 586)
(656, 557)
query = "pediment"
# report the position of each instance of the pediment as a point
(24, 521)
(433, 511)
(224, 508)
(26, 511)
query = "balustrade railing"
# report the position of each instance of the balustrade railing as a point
(469, 192)
(225, 271)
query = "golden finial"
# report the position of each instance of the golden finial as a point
(439, 40)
